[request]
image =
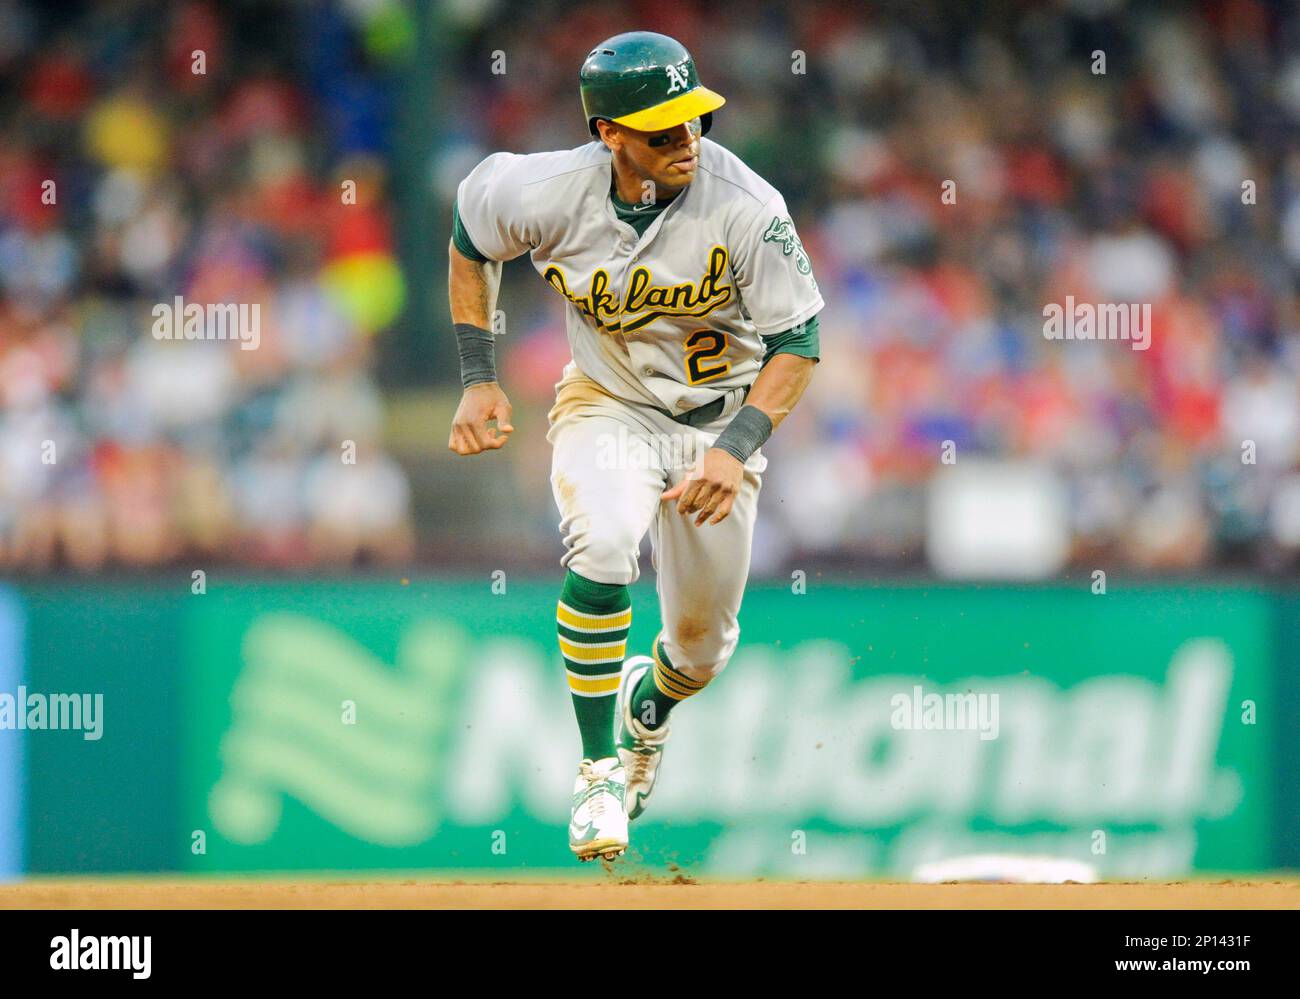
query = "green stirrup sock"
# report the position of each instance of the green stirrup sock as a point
(661, 688)
(593, 620)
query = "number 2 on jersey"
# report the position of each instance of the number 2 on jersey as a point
(703, 346)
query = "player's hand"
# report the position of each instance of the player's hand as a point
(711, 490)
(470, 433)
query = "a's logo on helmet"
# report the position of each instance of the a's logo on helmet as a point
(677, 78)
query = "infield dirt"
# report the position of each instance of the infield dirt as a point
(639, 894)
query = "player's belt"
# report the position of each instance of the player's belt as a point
(702, 416)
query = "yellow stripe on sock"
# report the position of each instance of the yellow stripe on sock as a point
(593, 687)
(674, 685)
(681, 679)
(595, 652)
(667, 692)
(578, 621)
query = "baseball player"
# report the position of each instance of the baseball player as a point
(691, 311)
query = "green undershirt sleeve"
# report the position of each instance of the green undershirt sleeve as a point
(460, 237)
(802, 340)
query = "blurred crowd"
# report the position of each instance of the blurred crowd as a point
(951, 168)
(225, 154)
(1115, 152)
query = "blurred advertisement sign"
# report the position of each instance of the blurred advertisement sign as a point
(12, 783)
(1286, 744)
(106, 804)
(857, 732)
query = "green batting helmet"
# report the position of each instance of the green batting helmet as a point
(645, 81)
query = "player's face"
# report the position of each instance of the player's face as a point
(669, 158)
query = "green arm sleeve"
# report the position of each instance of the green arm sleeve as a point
(802, 340)
(460, 237)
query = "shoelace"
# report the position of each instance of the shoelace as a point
(593, 798)
(639, 768)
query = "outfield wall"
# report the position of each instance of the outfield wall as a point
(369, 726)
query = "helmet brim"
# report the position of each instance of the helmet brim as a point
(692, 104)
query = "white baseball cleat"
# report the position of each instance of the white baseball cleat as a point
(640, 749)
(598, 826)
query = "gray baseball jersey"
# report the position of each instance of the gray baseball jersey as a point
(673, 318)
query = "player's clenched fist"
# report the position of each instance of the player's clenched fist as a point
(712, 490)
(470, 433)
